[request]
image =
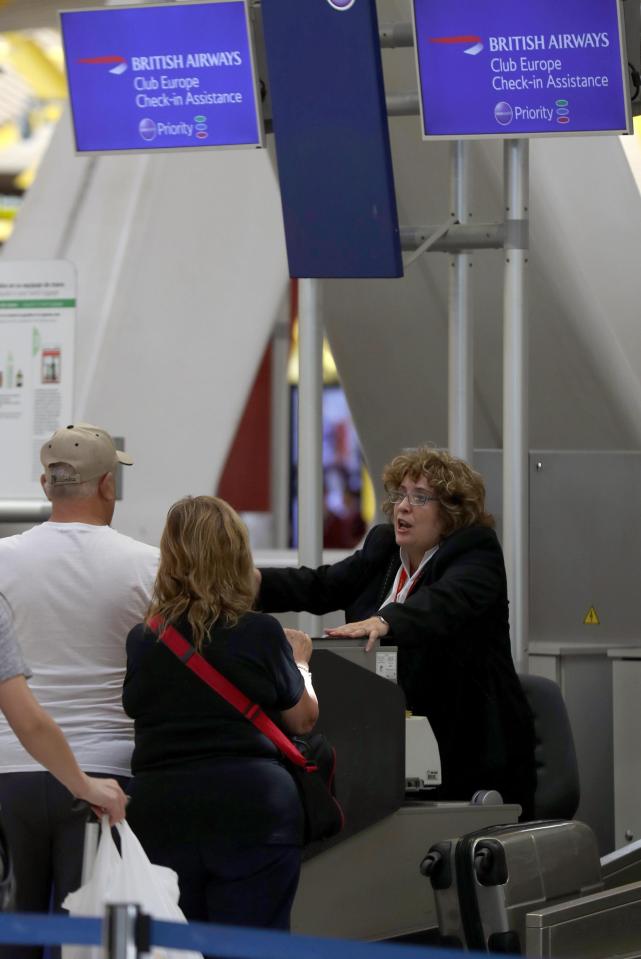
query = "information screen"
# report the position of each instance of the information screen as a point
(161, 77)
(332, 138)
(514, 68)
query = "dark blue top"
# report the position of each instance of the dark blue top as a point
(180, 720)
(201, 770)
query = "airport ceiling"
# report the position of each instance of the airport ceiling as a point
(34, 14)
(32, 93)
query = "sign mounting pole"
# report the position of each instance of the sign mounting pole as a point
(515, 394)
(310, 435)
(461, 358)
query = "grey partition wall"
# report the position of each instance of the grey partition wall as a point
(585, 526)
(585, 566)
(585, 542)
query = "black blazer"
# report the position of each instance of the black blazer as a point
(454, 659)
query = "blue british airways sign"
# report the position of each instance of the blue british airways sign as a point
(162, 77)
(514, 68)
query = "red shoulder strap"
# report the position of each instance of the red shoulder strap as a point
(186, 653)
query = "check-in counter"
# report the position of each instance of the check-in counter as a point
(370, 887)
(365, 883)
(584, 673)
(594, 927)
(363, 716)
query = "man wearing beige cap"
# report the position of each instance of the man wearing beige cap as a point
(76, 587)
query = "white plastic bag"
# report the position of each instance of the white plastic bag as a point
(129, 877)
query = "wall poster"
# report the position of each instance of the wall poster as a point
(37, 317)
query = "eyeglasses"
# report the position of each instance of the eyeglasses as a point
(415, 498)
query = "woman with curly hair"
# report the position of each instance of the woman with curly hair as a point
(210, 797)
(432, 582)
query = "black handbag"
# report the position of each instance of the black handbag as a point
(311, 760)
(324, 816)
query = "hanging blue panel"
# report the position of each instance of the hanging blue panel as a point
(332, 138)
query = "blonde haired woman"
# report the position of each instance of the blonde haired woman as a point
(209, 796)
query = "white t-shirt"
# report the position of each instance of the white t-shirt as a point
(11, 662)
(76, 590)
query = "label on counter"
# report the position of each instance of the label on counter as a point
(386, 665)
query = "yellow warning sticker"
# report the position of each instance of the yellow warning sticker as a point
(591, 618)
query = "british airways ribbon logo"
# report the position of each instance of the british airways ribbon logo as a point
(475, 47)
(120, 64)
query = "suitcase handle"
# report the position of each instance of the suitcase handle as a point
(490, 867)
(483, 863)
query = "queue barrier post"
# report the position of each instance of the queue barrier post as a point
(126, 931)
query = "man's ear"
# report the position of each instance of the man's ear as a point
(107, 487)
(43, 483)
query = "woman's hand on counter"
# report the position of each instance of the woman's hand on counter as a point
(374, 628)
(301, 644)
